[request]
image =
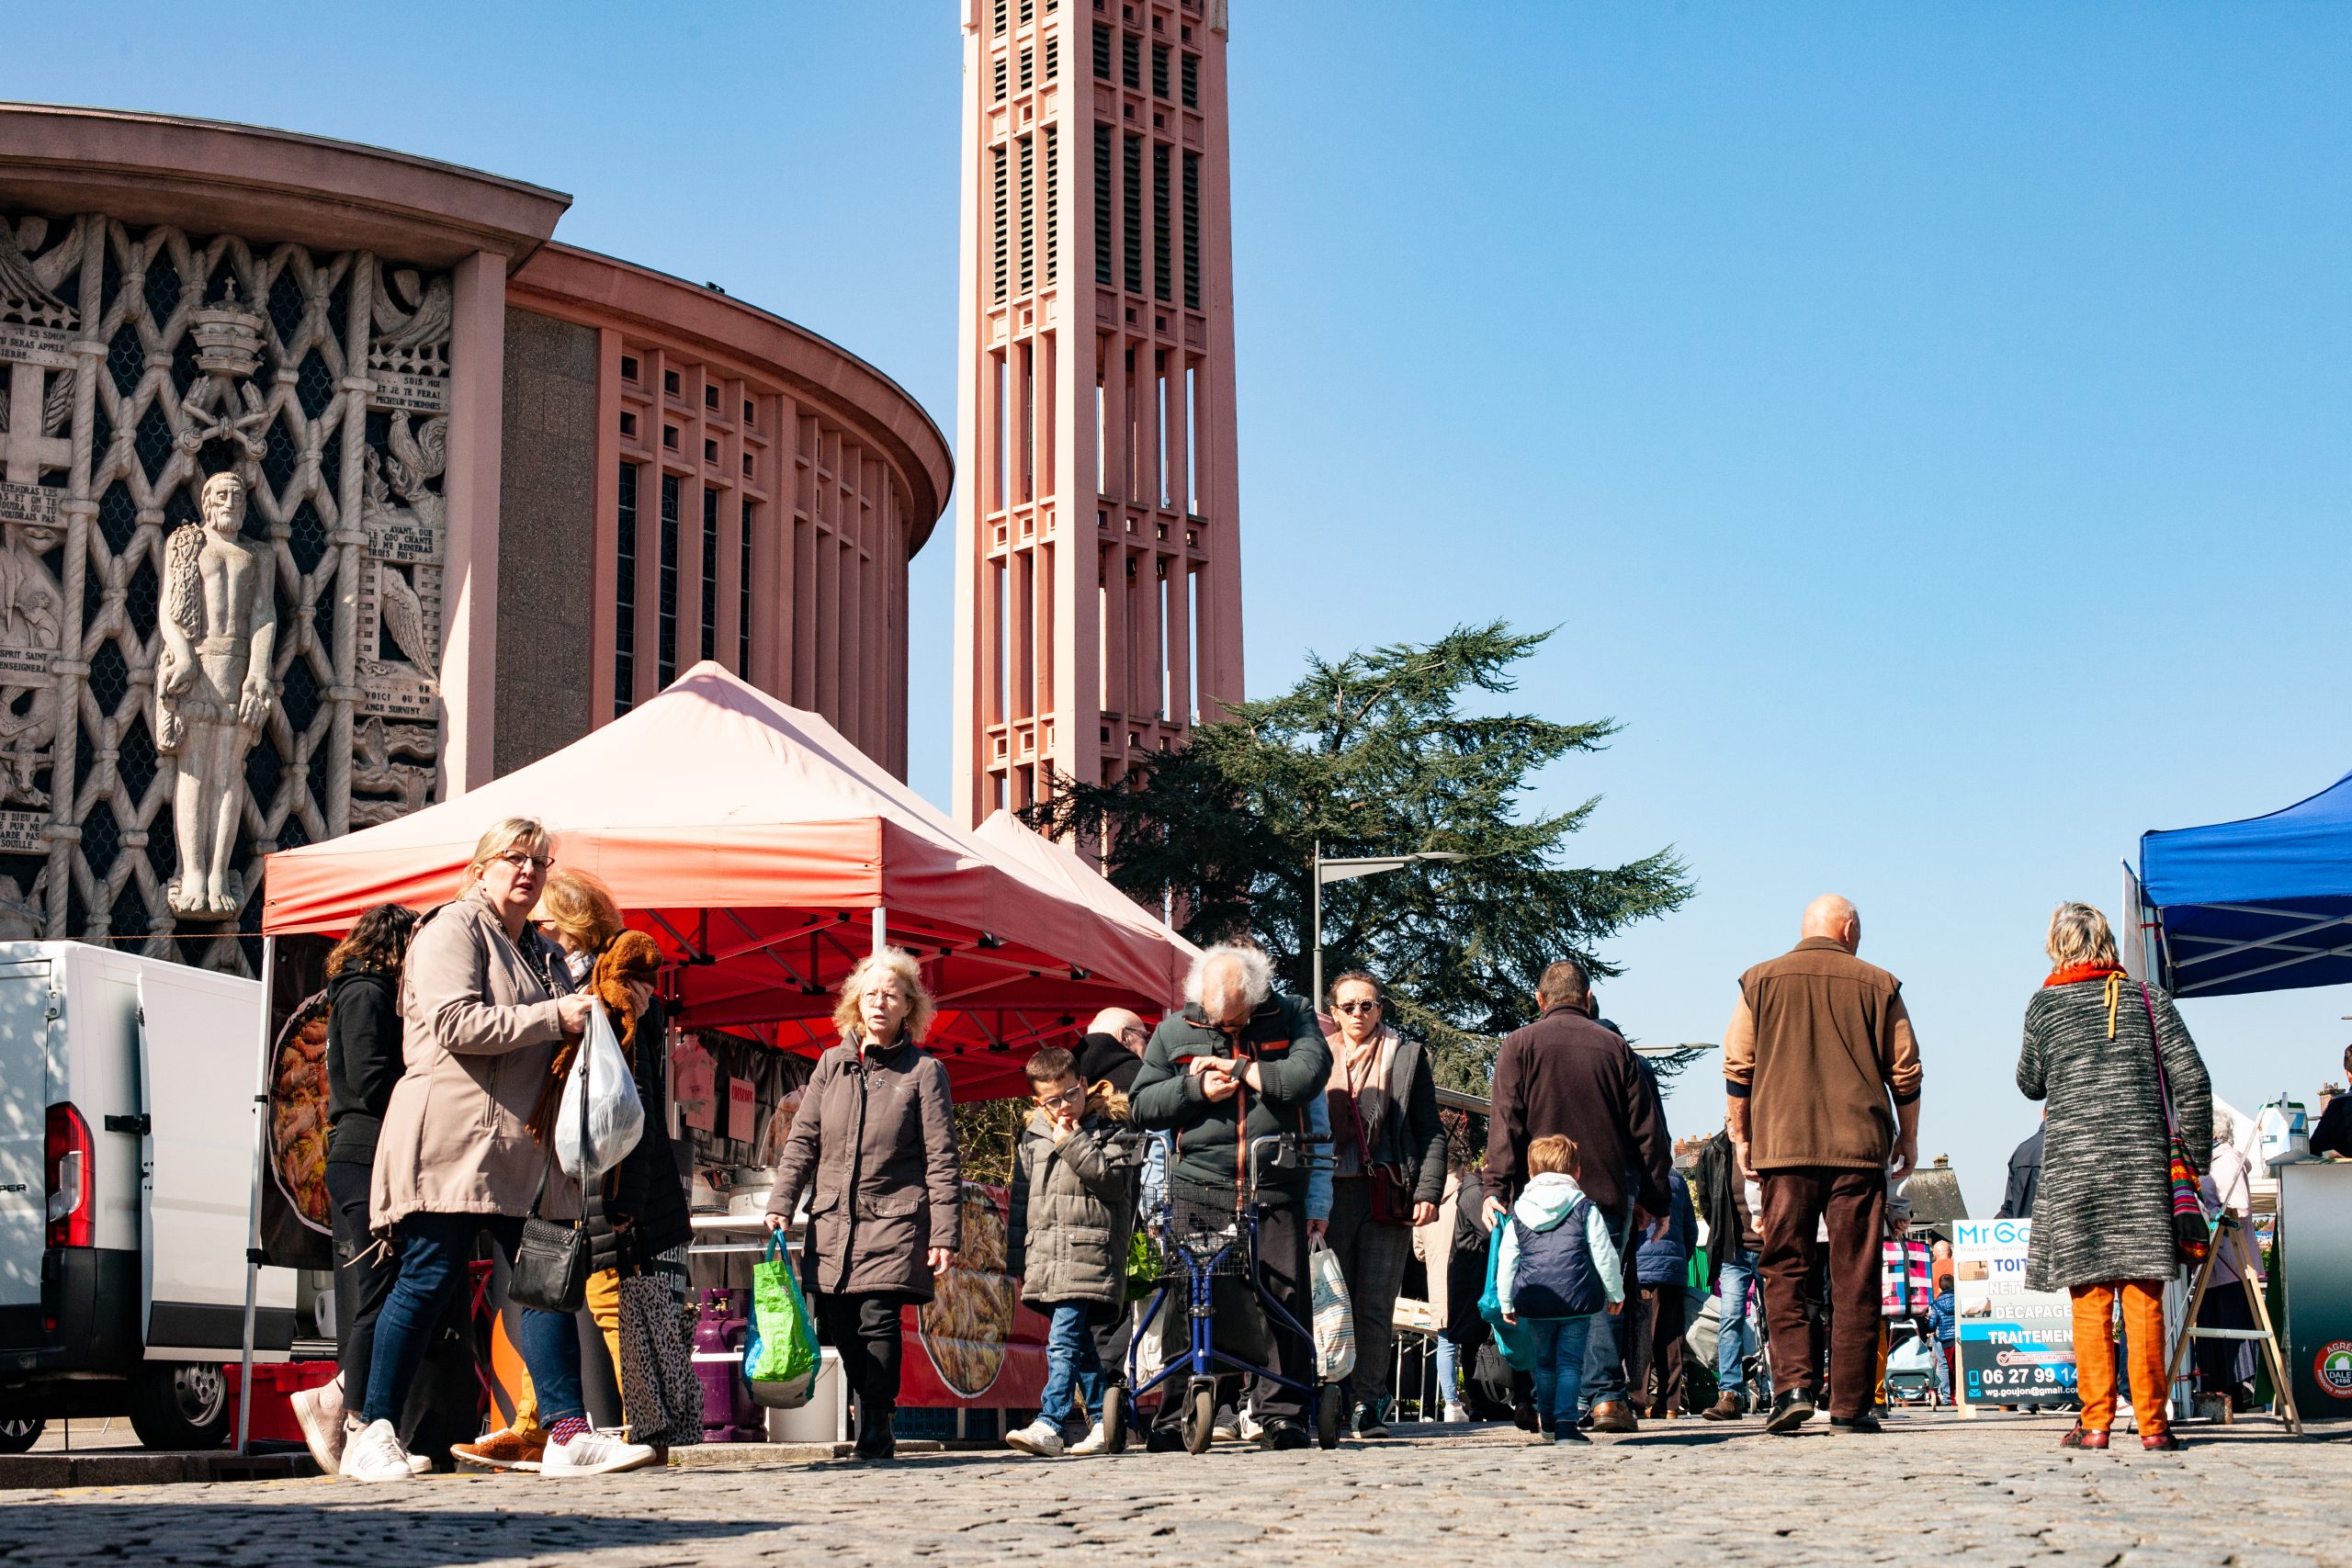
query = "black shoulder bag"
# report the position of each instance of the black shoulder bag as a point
(550, 1269)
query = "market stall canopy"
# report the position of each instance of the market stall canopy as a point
(1061, 867)
(2263, 904)
(753, 843)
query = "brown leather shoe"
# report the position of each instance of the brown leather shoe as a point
(1615, 1415)
(502, 1449)
(2083, 1438)
(1728, 1406)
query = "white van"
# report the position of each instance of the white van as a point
(126, 1169)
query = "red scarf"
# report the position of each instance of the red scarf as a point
(2068, 974)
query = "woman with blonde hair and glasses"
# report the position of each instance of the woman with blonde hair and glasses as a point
(874, 1146)
(637, 1221)
(2103, 1215)
(482, 1017)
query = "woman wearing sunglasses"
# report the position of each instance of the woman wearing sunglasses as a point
(459, 1154)
(1390, 1175)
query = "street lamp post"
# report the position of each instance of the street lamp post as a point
(1330, 869)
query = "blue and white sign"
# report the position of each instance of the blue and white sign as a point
(2016, 1346)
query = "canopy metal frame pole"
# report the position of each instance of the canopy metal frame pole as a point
(253, 1202)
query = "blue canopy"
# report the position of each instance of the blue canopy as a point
(2259, 904)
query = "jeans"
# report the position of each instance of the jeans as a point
(1560, 1355)
(1073, 1365)
(1736, 1285)
(1605, 1355)
(434, 1250)
(1449, 1371)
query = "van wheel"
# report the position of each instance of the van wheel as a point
(19, 1433)
(180, 1405)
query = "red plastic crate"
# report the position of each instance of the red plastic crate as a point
(274, 1385)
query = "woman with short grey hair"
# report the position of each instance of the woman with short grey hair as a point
(2105, 1052)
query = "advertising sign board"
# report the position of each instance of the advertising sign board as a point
(2016, 1346)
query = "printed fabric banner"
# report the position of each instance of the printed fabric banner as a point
(2016, 1346)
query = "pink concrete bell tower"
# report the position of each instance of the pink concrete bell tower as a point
(1098, 606)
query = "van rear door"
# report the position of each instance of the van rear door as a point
(26, 1017)
(199, 1041)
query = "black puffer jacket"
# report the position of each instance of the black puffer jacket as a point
(364, 1060)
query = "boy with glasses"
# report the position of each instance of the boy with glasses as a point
(1073, 1210)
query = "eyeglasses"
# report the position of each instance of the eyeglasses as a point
(527, 863)
(1069, 1096)
(1356, 1007)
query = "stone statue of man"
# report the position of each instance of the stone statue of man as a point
(213, 690)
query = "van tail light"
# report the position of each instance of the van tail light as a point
(72, 1208)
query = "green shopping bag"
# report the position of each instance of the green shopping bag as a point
(780, 1349)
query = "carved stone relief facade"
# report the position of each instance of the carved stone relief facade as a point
(221, 537)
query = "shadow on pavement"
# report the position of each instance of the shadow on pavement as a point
(283, 1531)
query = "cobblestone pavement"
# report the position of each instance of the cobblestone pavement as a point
(1995, 1491)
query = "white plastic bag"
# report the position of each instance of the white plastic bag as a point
(616, 1115)
(1150, 1355)
(1335, 1328)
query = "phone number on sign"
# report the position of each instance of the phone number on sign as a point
(2020, 1377)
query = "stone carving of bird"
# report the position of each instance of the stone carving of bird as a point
(403, 615)
(427, 324)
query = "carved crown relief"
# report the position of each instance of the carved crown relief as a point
(221, 537)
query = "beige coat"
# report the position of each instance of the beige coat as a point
(479, 1027)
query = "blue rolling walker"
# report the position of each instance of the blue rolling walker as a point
(1201, 1244)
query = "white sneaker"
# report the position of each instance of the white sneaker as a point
(1457, 1413)
(595, 1454)
(374, 1453)
(1041, 1438)
(319, 1412)
(1096, 1441)
(1246, 1429)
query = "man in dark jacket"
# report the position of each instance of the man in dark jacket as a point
(2025, 1175)
(1566, 1074)
(1239, 1063)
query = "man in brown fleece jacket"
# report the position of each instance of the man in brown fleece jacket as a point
(1823, 1077)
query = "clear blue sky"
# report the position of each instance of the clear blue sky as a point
(1926, 426)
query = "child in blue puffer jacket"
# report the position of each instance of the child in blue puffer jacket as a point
(1557, 1270)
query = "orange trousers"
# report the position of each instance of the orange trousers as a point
(2143, 1330)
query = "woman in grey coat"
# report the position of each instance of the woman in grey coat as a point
(874, 1146)
(2102, 1216)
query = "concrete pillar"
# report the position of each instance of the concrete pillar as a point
(469, 581)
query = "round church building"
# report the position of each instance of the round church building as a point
(332, 485)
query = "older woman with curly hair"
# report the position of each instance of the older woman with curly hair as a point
(2103, 1049)
(874, 1146)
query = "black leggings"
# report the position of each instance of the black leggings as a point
(864, 1326)
(364, 1272)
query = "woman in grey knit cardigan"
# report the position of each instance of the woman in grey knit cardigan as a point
(2102, 1218)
